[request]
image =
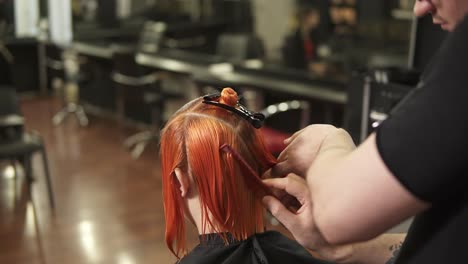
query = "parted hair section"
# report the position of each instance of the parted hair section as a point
(191, 141)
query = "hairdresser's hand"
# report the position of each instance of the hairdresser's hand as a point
(304, 147)
(301, 223)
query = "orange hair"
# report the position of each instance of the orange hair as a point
(191, 141)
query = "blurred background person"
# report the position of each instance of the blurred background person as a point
(300, 49)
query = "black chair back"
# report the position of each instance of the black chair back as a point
(16, 144)
(55, 64)
(11, 123)
(8, 101)
(239, 46)
(152, 36)
(124, 63)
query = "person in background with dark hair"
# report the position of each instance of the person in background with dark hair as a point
(300, 48)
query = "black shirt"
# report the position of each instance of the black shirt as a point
(270, 247)
(293, 52)
(425, 145)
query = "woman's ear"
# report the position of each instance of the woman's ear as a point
(184, 182)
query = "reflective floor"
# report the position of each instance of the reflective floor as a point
(108, 206)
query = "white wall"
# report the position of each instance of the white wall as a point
(273, 23)
(60, 22)
(26, 18)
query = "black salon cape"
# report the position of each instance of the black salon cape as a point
(270, 247)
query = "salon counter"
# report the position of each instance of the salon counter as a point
(209, 69)
(101, 49)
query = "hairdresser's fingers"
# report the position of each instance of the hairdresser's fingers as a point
(280, 170)
(293, 185)
(294, 136)
(267, 174)
(278, 210)
(289, 145)
(283, 155)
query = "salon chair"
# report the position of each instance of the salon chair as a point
(55, 68)
(69, 62)
(18, 145)
(127, 74)
(372, 95)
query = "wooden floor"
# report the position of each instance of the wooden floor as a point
(109, 207)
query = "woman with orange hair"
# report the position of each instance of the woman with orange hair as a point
(212, 157)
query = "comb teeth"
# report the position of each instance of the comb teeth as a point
(251, 178)
(255, 184)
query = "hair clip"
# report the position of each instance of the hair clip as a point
(256, 119)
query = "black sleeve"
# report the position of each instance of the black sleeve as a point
(293, 52)
(425, 143)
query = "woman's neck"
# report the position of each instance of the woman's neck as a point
(194, 214)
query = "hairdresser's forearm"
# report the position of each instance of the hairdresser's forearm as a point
(380, 250)
(355, 196)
